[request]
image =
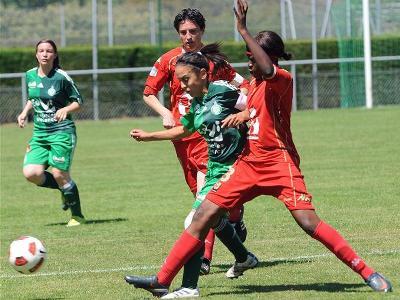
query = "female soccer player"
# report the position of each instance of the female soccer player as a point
(53, 96)
(269, 166)
(191, 151)
(212, 103)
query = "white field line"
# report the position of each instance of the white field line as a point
(133, 268)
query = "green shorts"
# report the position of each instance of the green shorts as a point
(54, 150)
(215, 171)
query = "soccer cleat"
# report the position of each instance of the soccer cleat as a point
(239, 268)
(183, 292)
(76, 221)
(205, 267)
(379, 283)
(149, 283)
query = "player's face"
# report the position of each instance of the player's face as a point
(45, 54)
(253, 67)
(193, 82)
(190, 35)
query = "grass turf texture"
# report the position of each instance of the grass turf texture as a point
(135, 199)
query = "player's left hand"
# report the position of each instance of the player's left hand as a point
(240, 12)
(61, 114)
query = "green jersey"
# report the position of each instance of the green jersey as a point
(49, 94)
(206, 115)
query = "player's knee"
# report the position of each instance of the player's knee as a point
(33, 175)
(61, 177)
(207, 214)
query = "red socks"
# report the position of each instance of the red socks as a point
(209, 245)
(184, 248)
(339, 246)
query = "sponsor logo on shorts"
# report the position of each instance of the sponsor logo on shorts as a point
(304, 198)
(59, 159)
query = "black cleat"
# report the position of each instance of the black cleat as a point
(205, 267)
(379, 283)
(149, 283)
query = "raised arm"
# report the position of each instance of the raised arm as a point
(261, 58)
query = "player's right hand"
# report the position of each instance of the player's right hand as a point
(21, 120)
(168, 120)
(138, 134)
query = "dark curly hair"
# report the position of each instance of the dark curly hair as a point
(272, 44)
(191, 14)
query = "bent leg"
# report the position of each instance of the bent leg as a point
(327, 235)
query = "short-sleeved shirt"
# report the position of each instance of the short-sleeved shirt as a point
(163, 71)
(205, 116)
(270, 104)
(49, 94)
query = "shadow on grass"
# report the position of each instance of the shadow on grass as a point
(332, 287)
(222, 268)
(99, 221)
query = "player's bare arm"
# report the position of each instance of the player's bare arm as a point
(235, 120)
(62, 113)
(22, 116)
(169, 134)
(261, 58)
(165, 113)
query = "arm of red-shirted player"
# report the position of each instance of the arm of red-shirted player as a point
(155, 81)
(262, 59)
(235, 120)
(169, 134)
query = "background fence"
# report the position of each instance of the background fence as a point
(23, 23)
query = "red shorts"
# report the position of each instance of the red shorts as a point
(193, 156)
(249, 179)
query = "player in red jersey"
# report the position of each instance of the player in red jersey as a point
(191, 151)
(269, 165)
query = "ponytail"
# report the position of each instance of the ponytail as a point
(200, 60)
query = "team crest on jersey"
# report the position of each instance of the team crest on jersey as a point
(216, 109)
(51, 91)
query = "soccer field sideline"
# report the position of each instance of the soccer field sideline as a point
(155, 267)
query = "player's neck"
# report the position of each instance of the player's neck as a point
(44, 70)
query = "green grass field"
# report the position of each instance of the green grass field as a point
(135, 199)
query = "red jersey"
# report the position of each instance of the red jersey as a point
(270, 103)
(163, 71)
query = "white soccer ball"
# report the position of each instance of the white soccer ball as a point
(27, 254)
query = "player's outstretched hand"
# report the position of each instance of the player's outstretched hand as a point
(240, 12)
(139, 135)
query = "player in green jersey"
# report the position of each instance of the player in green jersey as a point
(53, 96)
(213, 102)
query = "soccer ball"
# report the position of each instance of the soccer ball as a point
(26, 254)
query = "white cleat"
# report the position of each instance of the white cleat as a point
(183, 292)
(239, 268)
